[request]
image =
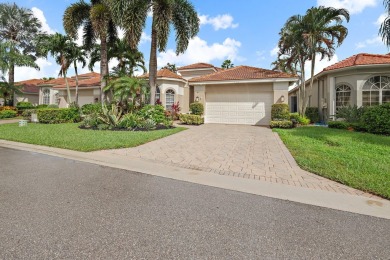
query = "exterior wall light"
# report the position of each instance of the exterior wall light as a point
(197, 99)
(282, 99)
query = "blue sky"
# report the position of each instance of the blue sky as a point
(244, 31)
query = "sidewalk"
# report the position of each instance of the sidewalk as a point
(9, 121)
(376, 207)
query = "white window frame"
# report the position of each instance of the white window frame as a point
(343, 89)
(46, 97)
(169, 99)
(375, 85)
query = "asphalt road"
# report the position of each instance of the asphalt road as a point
(53, 208)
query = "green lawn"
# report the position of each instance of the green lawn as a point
(69, 136)
(358, 160)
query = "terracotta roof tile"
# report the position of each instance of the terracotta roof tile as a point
(360, 59)
(164, 73)
(242, 73)
(88, 75)
(200, 65)
(30, 86)
(84, 83)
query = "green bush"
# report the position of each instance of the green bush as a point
(130, 121)
(52, 106)
(376, 119)
(197, 108)
(302, 120)
(90, 121)
(27, 113)
(351, 114)
(8, 108)
(41, 106)
(313, 114)
(24, 105)
(191, 119)
(281, 124)
(155, 113)
(280, 112)
(58, 116)
(7, 114)
(339, 124)
(88, 109)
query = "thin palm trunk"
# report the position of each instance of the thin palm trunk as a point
(103, 67)
(153, 65)
(11, 80)
(313, 64)
(67, 88)
(77, 84)
(302, 92)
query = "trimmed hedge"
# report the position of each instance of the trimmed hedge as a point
(7, 108)
(7, 114)
(281, 124)
(197, 108)
(58, 116)
(24, 105)
(191, 119)
(302, 120)
(280, 112)
(313, 114)
(155, 113)
(89, 109)
(338, 124)
(376, 119)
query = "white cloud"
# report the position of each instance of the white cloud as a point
(353, 6)
(38, 13)
(320, 65)
(25, 73)
(375, 41)
(380, 20)
(200, 51)
(224, 21)
(145, 38)
(274, 52)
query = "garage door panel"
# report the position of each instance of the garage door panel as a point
(250, 106)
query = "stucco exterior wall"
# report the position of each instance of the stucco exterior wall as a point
(86, 96)
(181, 90)
(32, 98)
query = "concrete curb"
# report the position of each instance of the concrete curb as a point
(343, 202)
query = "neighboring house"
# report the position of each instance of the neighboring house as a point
(361, 80)
(29, 91)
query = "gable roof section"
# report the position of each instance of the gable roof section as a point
(200, 65)
(164, 73)
(360, 59)
(242, 73)
(30, 86)
(83, 83)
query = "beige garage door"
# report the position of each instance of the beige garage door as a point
(245, 105)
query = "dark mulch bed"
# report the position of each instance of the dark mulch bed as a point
(158, 127)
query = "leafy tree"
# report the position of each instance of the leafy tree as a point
(129, 60)
(384, 30)
(227, 64)
(132, 15)
(60, 47)
(18, 32)
(6, 90)
(171, 67)
(77, 55)
(302, 38)
(95, 17)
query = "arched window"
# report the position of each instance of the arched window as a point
(169, 99)
(376, 91)
(158, 96)
(46, 97)
(343, 96)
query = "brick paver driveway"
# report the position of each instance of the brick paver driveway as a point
(239, 151)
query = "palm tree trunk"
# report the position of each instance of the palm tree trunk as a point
(313, 62)
(103, 67)
(77, 84)
(153, 65)
(302, 88)
(67, 88)
(11, 81)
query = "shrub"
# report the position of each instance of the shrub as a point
(281, 124)
(24, 105)
(7, 114)
(280, 112)
(41, 106)
(90, 121)
(351, 114)
(52, 106)
(313, 114)
(338, 124)
(175, 110)
(191, 119)
(148, 124)
(88, 109)
(130, 121)
(8, 108)
(27, 113)
(197, 108)
(156, 113)
(58, 116)
(376, 119)
(111, 117)
(302, 120)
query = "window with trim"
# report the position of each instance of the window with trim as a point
(158, 96)
(169, 99)
(46, 97)
(343, 96)
(376, 91)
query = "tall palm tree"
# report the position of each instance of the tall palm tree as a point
(323, 32)
(95, 17)
(129, 60)
(60, 47)
(18, 30)
(77, 55)
(132, 15)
